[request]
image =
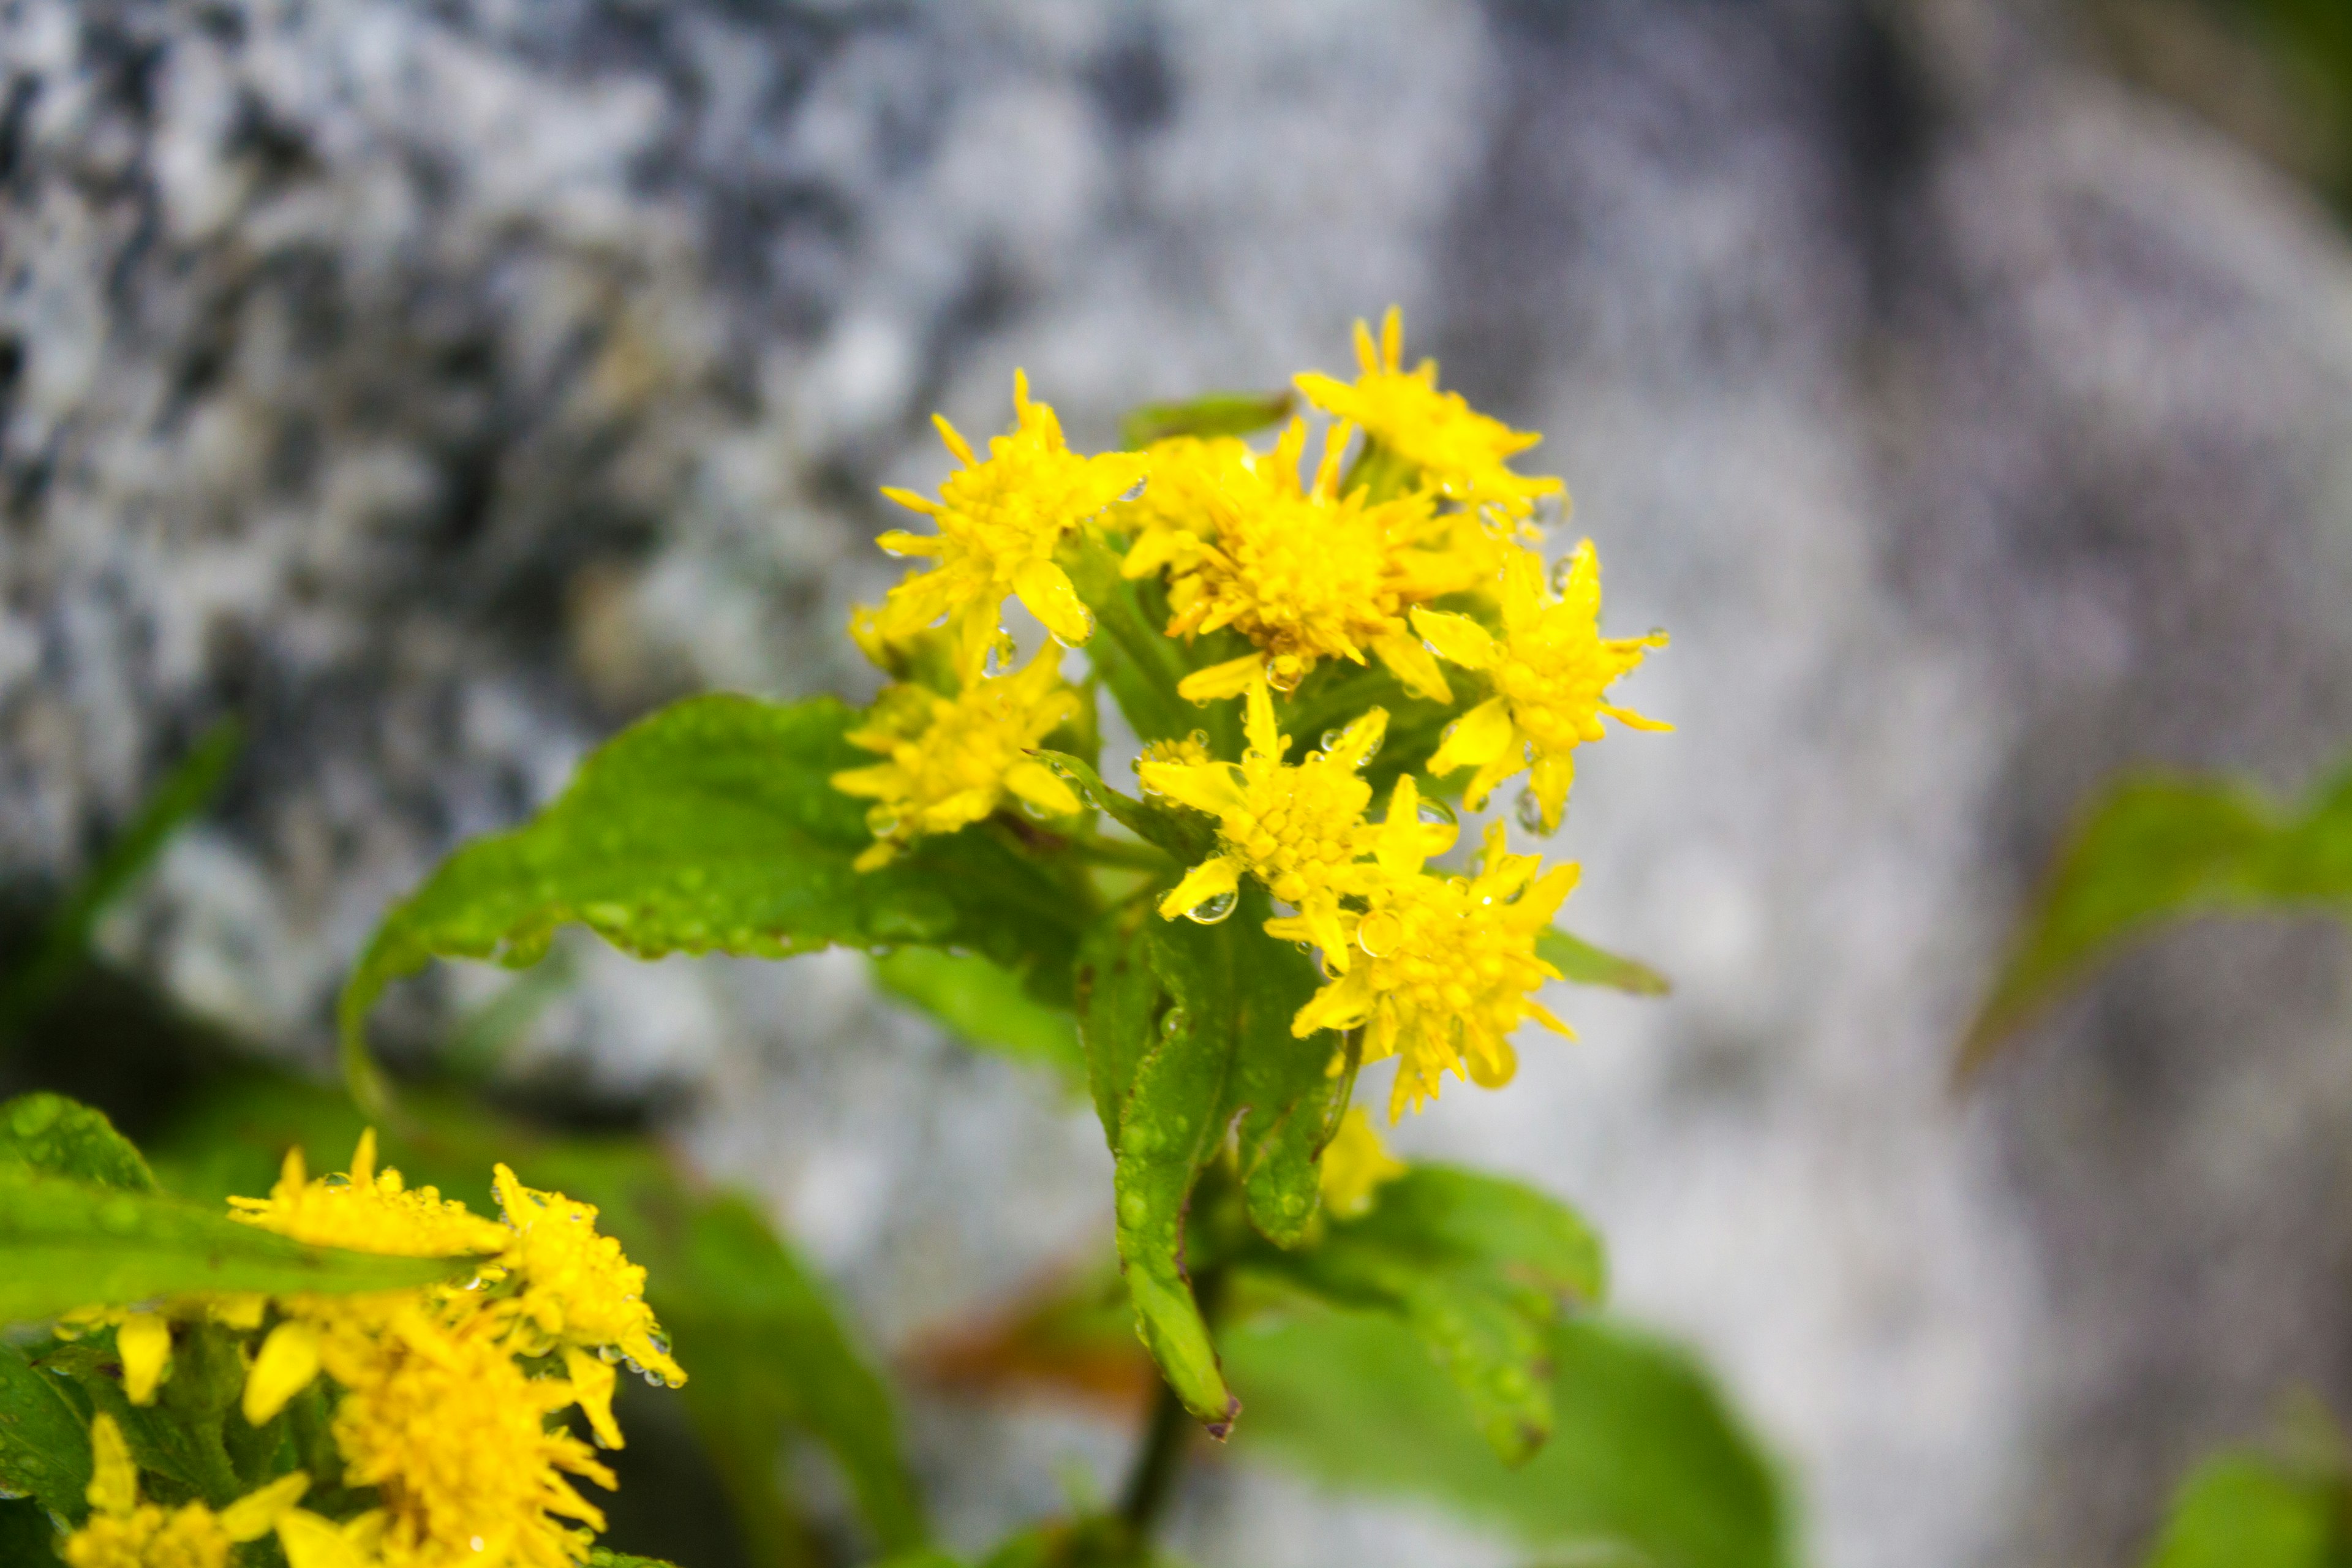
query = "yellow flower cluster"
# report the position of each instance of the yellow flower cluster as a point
(1409, 543)
(442, 1396)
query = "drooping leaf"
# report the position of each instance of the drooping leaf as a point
(51, 1133)
(1582, 963)
(1211, 414)
(2158, 849)
(183, 792)
(986, 1005)
(1645, 1458)
(43, 1445)
(68, 1244)
(1477, 1267)
(713, 827)
(1216, 1054)
(2248, 1510)
(762, 1346)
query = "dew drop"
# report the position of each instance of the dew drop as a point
(1135, 492)
(1331, 740)
(1282, 678)
(1213, 909)
(1435, 812)
(1379, 934)
(1561, 571)
(1656, 634)
(1198, 738)
(1173, 1023)
(1530, 813)
(1087, 623)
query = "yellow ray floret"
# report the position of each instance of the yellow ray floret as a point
(440, 1418)
(1461, 454)
(368, 1211)
(1356, 1165)
(1299, 830)
(1305, 573)
(1550, 670)
(579, 1292)
(1438, 972)
(953, 760)
(1000, 521)
(124, 1532)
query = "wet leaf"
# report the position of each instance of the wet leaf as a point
(44, 1444)
(51, 1133)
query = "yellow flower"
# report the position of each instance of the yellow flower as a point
(578, 1293)
(1300, 830)
(143, 1341)
(1356, 1165)
(1549, 669)
(1303, 571)
(368, 1211)
(1461, 454)
(954, 759)
(440, 1418)
(1442, 969)
(123, 1533)
(1000, 522)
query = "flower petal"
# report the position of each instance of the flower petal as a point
(144, 1343)
(1040, 785)
(1480, 736)
(288, 1361)
(1047, 589)
(1414, 665)
(1213, 878)
(250, 1517)
(1212, 787)
(1230, 678)
(1457, 638)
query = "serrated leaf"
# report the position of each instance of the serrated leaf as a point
(43, 1445)
(162, 1438)
(1646, 1460)
(2246, 1510)
(1582, 963)
(51, 1133)
(1220, 1058)
(1211, 414)
(986, 1005)
(1477, 1267)
(753, 1326)
(713, 827)
(2153, 850)
(69, 1244)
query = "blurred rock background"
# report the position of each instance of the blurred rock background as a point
(1968, 385)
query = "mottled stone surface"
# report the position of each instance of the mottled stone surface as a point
(437, 386)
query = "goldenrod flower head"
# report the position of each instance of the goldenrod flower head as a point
(368, 1211)
(1356, 1165)
(1461, 454)
(954, 759)
(1305, 573)
(578, 1289)
(1191, 751)
(1550, 670)
(124, 1532)
(441, 1419)
(1000, 521)
(1438, 972)
(1300, 830)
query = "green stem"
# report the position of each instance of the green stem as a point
(1151, 1483)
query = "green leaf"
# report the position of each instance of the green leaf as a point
(1582, 963)
(43, 1445)
(713, 827)
(27, 1538)
(1210, 415)
(184, 791)
(1219, 1057)
(986, 1005)
(2246, 1510)
(1644, 1459)
(764, 1348)
(1186, 836)
(68, 1244)
(2158, 850)
(600, 1558)
(1477, 1266)
(61, 1137)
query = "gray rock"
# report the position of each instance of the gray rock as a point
(440, 386)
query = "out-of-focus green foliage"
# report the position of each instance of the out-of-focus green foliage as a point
(1646, 1460)
(1214, 413)
(713, 827)
(986, 1005)
(43, 1442)
(2248, 1510)
(1476, 1268)
(1582, 963)
(2155, 850)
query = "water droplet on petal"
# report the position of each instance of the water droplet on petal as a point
(1198, 738)
(1379, 934)
(1561, 571)
(1529, 810)
(1283, 677)
(1135, 490)
(1435, 812)
(1213, 909)
(1331, 740)
(1656, 634)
